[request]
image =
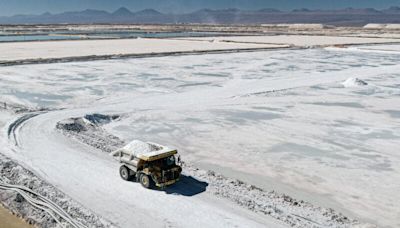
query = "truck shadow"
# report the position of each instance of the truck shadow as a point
(187, 186)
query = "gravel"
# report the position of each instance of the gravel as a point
(15, 174)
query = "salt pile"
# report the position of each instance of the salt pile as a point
(139, 147)
(84, 124)
(354, 82)
(374, 26)
(382, 26)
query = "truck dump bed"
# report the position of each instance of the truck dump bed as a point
(144, 150)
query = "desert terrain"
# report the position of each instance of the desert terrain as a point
(277, 126)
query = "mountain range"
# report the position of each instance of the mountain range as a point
(349, 17)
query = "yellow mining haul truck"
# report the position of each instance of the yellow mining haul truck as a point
(150, 164)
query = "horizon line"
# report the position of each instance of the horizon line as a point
(200, 9)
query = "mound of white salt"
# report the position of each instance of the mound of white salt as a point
(139, 147)
(354, 82)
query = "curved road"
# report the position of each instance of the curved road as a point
(91, 177)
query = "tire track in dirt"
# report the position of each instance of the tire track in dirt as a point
(14, 126)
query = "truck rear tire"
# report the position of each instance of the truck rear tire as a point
(146, 181)
(124, 173)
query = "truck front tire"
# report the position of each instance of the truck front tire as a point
(146, 181)
(124, 173)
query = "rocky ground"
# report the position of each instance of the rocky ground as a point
(14, 174)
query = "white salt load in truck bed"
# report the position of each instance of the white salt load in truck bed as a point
(144, 150)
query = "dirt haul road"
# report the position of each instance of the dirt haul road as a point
(91, 177)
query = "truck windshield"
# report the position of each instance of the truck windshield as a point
(164, 163)
(170, 161)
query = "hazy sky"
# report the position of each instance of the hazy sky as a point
(11, 7)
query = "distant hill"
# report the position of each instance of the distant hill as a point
(349, 16)
(392, 10)
(122, 12)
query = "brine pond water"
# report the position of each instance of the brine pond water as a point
(100, 35)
